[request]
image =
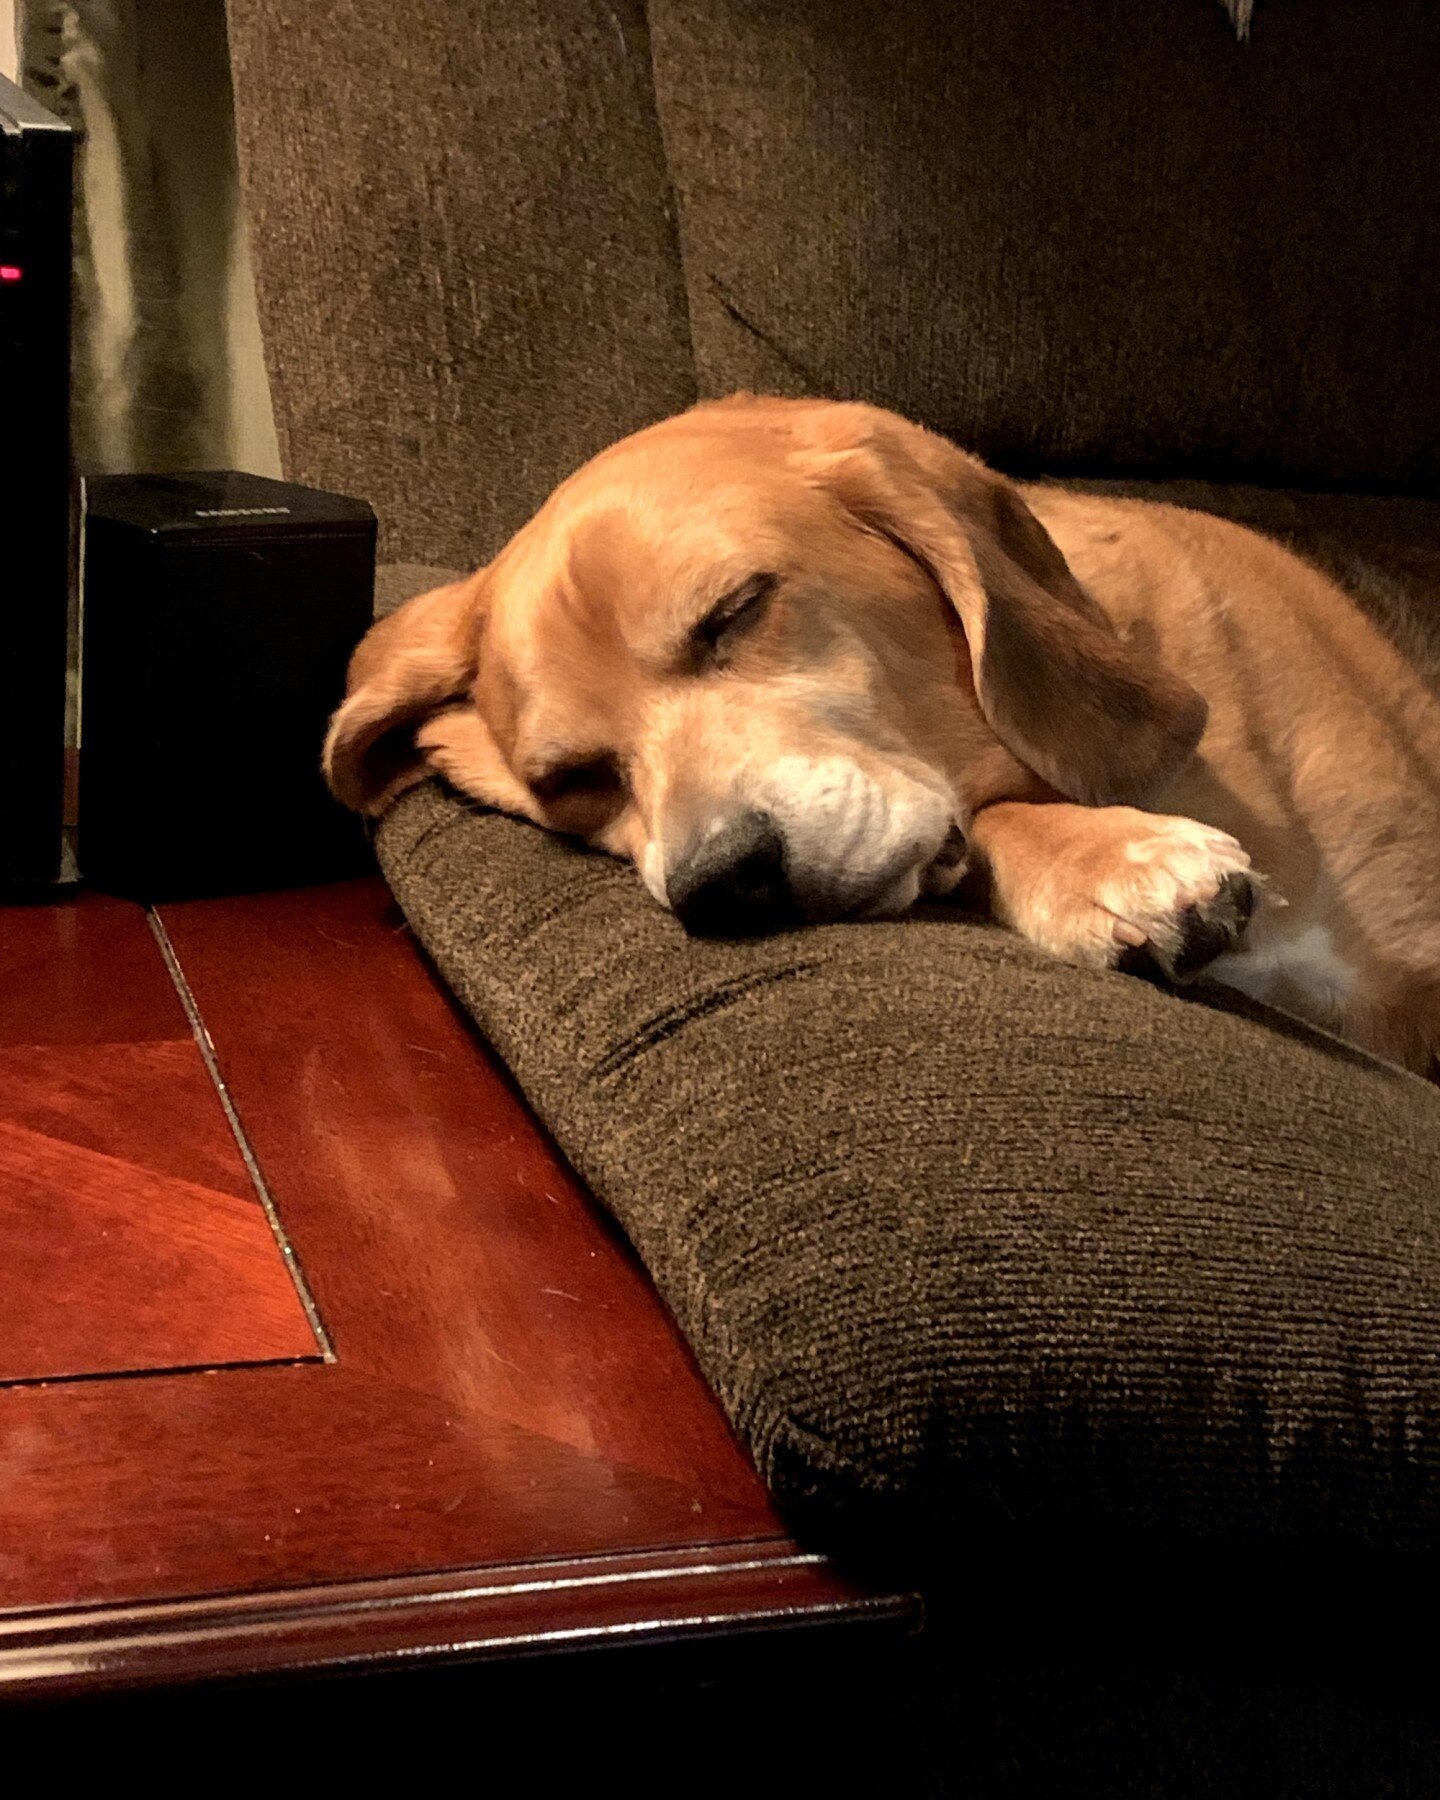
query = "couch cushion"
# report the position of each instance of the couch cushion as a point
(950, 1225)
(1080, 237)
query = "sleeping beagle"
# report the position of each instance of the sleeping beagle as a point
(802, 660)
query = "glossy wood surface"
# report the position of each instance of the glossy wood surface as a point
(507, 1392)
(484, 1613)
(131, 1235)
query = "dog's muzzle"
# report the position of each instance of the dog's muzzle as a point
(740, 881)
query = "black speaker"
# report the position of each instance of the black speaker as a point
(218, 612)
(35, 151)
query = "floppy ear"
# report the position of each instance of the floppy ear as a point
(406, 667)
(1094, 717)
(458, 744)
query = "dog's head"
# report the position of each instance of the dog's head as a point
(775, 652)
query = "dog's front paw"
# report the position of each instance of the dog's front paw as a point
(1110, 887)
(1180, 894)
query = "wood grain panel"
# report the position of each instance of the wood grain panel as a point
(274, 1477)
(131, 1235)
(151, 1104)
(108, 1267)
(82, 971)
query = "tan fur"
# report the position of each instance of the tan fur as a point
(1121, 703)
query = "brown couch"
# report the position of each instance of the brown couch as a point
(957, 1235)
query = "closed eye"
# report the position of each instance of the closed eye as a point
(596, 776)
(741, 608)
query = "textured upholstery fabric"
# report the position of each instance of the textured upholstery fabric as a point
(1076, 238)
(956, 1230)
(398, 582)
(466, 266)
(1072, 236)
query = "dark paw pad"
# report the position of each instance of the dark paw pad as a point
(1198, 934)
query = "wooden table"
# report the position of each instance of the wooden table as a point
(313, 1350)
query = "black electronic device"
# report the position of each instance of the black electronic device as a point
(35, 488)
(218, 614)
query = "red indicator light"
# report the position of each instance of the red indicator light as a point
(11, 272)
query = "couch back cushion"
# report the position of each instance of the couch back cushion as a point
(1073, 237)
(492, 238)
(464, 251)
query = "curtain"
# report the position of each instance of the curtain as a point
(168, 373)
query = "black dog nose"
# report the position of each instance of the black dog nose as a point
(733, 884)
